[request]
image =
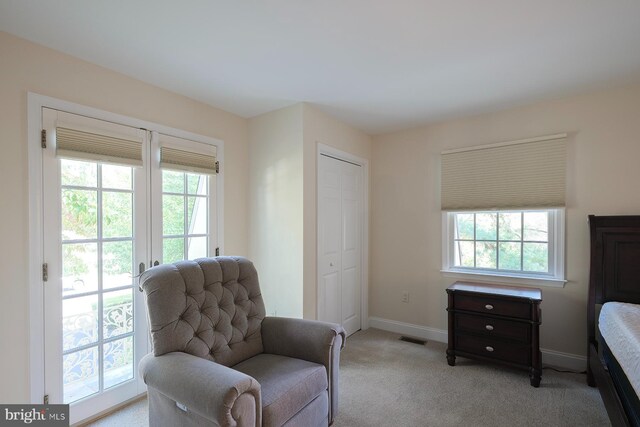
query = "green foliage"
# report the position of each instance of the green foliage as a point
(117, 214)
(117, 258)
(172, 250)
(486, 255)
(486, 226)
(501, 242)
(535, 257)
(510, 224)
(78, 259)
(192, 183)
(174, 222)
(172, 182)
(172, 215)
(80, 219)
(465, 226)
(78, 173)
(509, 256)
(79, 214)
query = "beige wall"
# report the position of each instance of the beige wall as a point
(270, 171)
(28, 67)
(282, 199)
(603, 177)
(275, 201)
(321, 128)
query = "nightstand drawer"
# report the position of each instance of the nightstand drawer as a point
(509, 329)
(495, 349)
(491, 305)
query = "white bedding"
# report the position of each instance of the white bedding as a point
(619, 325)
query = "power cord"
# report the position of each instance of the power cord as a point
(563, 371)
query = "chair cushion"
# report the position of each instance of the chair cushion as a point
(210, 308)
(287, 384)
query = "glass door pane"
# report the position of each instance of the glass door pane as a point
(185, 216)
(97, 277)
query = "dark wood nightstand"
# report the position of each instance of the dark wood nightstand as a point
(497, 324)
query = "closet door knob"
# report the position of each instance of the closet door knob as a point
(489, 348)
(489, 327)
(488, 307)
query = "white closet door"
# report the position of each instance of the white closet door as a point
(340, 242)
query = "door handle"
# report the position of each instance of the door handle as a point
(141, 269)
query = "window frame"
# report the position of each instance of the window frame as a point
(555, 277)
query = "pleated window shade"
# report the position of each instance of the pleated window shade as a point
(174, 158)
(77, 144)
(518, 175)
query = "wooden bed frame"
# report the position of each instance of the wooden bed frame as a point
(614, 276)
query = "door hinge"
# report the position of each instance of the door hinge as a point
(217, 167)
(217, 251)
(46, 399)
(45, 272)
(43, 138)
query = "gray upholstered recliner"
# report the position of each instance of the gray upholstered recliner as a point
(217, 360)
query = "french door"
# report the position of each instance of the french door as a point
(117, 200)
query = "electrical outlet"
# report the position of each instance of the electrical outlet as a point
(405, 296)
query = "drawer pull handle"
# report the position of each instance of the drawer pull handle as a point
(489, 348)
(489, 327)
(488, 307)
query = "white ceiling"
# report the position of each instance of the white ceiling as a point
(379, 65)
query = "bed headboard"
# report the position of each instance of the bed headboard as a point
(615, 263)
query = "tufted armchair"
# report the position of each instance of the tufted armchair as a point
(217, 360)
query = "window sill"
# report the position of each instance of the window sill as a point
(505, 278)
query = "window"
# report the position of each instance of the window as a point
(514, 243)
(503, 210)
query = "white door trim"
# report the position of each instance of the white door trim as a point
(364, 275)
(35, 103)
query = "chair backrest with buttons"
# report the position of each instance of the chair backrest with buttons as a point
(210, 308)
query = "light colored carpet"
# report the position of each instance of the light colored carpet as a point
(387, 382)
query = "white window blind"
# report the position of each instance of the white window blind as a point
(84, 138)
(521, 174)
(184, 155)
(72, 143)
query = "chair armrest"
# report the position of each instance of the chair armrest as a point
(205, 387)
(311, 340)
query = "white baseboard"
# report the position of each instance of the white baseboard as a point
(416, 331)
(554, 358)
(559, 359)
